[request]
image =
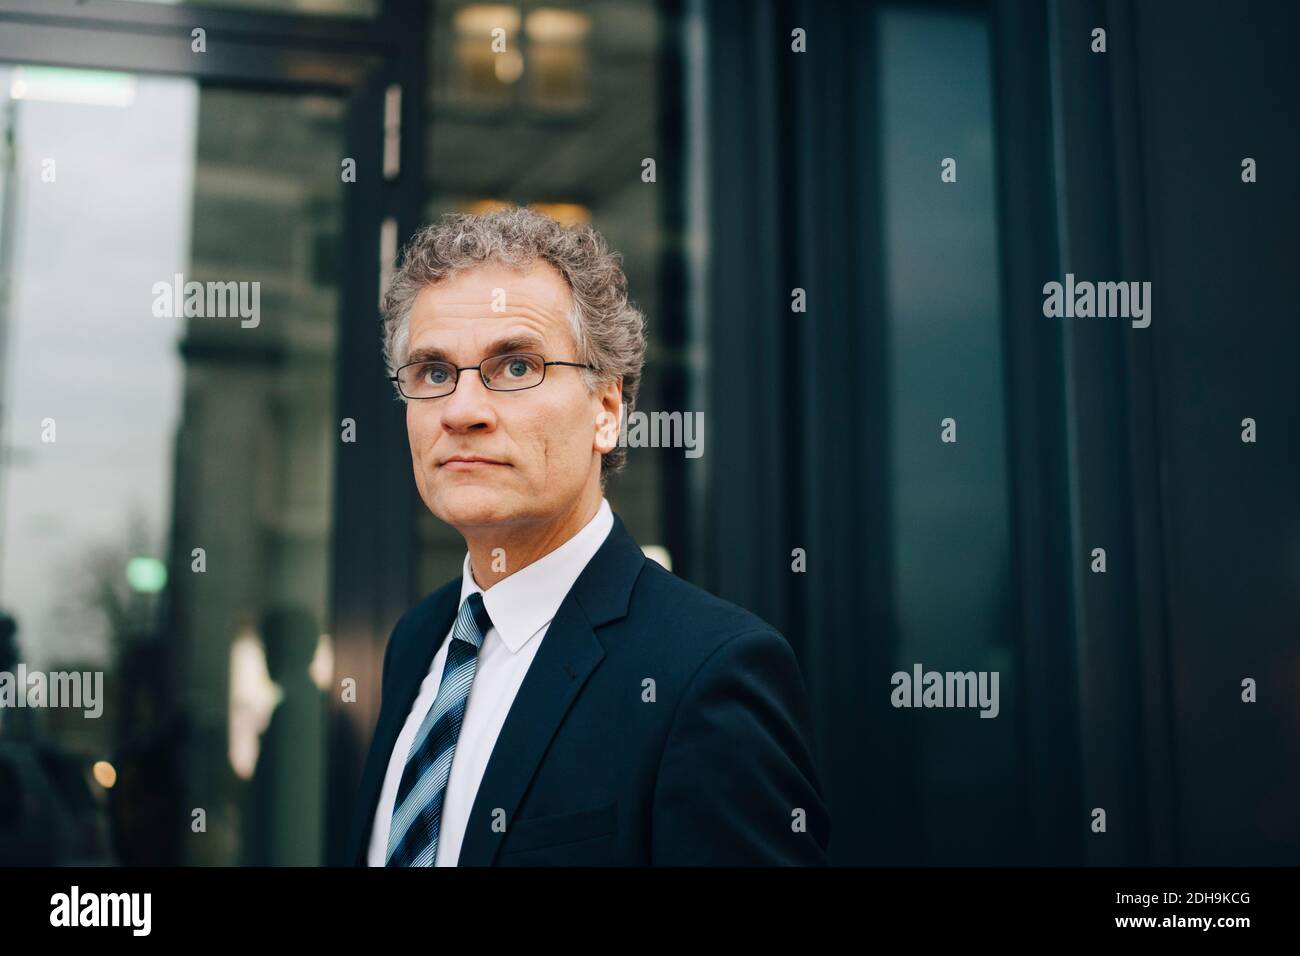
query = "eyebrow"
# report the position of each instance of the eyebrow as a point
(511, 343)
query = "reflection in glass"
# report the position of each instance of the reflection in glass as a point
(166, 508)
(951, 517)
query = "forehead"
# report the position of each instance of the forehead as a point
(486, 301)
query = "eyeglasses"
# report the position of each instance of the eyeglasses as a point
(511, 372)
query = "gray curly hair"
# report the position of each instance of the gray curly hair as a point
(608, 329)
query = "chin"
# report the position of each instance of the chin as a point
(464, 504)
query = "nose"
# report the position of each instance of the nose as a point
(470, 406)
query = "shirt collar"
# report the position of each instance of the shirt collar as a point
(521, 604)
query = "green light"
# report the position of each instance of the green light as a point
(146, 575)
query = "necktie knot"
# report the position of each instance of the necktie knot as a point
(474, 621)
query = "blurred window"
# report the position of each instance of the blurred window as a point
(167, 381)
(951, 518)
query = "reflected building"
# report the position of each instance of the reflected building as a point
(254, 464)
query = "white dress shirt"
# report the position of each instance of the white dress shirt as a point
(521, 607)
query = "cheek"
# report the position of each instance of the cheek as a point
(421, 429)
(562, 438)
(579, 425)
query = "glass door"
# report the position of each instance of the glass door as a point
(170, 329)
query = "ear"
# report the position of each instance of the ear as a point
(608, 416)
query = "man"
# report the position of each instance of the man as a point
(565, 701)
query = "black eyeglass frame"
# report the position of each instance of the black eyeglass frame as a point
(396, 379)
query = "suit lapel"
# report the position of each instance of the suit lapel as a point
(570, 651)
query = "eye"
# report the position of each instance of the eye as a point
(435, 375)
(513, 370)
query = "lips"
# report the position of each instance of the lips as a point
(471, 462)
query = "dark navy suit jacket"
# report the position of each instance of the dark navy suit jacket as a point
(717, 769)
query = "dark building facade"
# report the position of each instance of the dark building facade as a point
(843, 221)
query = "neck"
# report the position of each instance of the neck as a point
(497, 553)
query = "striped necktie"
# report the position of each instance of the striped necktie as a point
(417, 814)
